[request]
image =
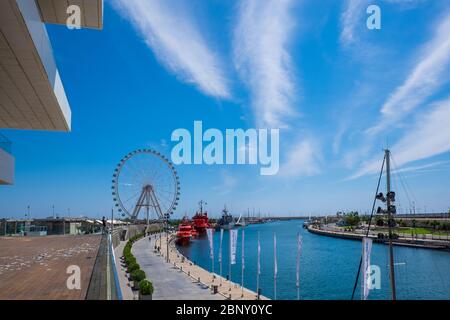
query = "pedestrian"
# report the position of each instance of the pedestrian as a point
(104, 225)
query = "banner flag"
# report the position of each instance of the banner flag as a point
(209, 232)
(259, 256)
(243, 254)
(367, 281)
(299, 248)
(233, 246)
(275, 269)
(220, 245)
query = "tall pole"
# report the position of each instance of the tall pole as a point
(258, 271)
(229, 265)
(242, 263)
(167, 238)
(275, 267)
(220, 254)
(390, 222)
(112, 221)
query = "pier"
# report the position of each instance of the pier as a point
(401, 241)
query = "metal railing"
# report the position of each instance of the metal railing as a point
(5, 143)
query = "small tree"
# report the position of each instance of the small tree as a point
(145, 288)
(138, 275)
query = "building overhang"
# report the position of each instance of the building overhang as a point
(32, 95)
(55, 12)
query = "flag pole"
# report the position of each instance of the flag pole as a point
(299, 243)
(243, 263)
(220, 255)
(229, 266)
(259, 268)
(275, 267)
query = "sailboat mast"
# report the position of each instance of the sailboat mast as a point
(390, 223)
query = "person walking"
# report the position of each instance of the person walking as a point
(104, 225)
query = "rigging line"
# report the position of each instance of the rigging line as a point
(368, 227)
(398, 174)
(406, 182)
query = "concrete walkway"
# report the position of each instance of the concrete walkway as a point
(169, 282)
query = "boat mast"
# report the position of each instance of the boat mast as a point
(201, 203)
(390, 223)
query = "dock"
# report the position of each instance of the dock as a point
(416, 243)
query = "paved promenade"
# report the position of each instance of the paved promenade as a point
(170, 283)
(191, 272)
(36, 267)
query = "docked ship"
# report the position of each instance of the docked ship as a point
(226, 221)
(184, 233)
(200, 220)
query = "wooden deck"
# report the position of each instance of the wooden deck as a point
(35, 267)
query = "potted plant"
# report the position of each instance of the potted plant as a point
(137, 276)
(133, 266)
(145, 290)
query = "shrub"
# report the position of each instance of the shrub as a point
(133, 266)
(130, 259)
(145, 287)
(138, 275)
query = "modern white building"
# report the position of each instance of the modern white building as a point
(32, 94)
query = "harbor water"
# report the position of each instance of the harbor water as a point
(328, 266)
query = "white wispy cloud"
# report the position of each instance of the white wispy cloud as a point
(423, 167)
(171, 32)
(430, 136)
(304, 159)
(352, 16)
(227, 185)
(260, 44)
(429, 74)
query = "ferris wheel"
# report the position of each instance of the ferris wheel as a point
(145, 180)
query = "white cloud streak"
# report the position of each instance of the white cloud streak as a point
(426, 78)
(430, 136)
(173, 36)
(304, 159)
(353, 14)
(261, 56)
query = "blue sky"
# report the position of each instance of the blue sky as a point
(339, 92)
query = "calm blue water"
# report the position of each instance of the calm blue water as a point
(328, 265)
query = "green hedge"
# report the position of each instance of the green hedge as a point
(138, 275)
(133, 266)
(145, 287)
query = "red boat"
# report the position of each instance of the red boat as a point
(200, 220)
(184, 233)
